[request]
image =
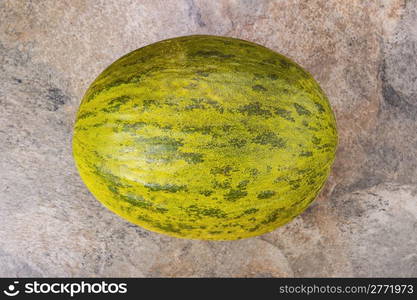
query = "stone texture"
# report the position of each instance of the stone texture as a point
(363, 53)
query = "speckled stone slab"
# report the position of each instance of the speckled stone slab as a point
(363, 53)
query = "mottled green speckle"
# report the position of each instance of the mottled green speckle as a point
(115, 104)
(172, 188)
(250, 211)
(206, 192)
(133, 126)
(202, 73)
(238, 143)
(148, 103)
(193, 158)
(225, 170)
(315, 140)
(234, 195)
(202, 129)
(254, 172)
(266, 194)
(273, 216)
(200, 212)
(295, 184)
(243, 184)
(86, 115)
(301, 110)
(225, 184)
(319, 107)
(259, 88)
(255, 109)
(269, 138)
(286, 114)
(273, 76)
(306, 153)
(160, 143)
(212, 53)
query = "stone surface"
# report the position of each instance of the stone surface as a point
(363, 53)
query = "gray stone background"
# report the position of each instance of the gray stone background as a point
(363, 53)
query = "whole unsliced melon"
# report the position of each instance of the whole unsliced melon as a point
(205, 137)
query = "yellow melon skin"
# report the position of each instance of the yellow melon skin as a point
(205, 137)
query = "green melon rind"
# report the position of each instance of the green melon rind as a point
(205, 137)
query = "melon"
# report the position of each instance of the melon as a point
(205, 137)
